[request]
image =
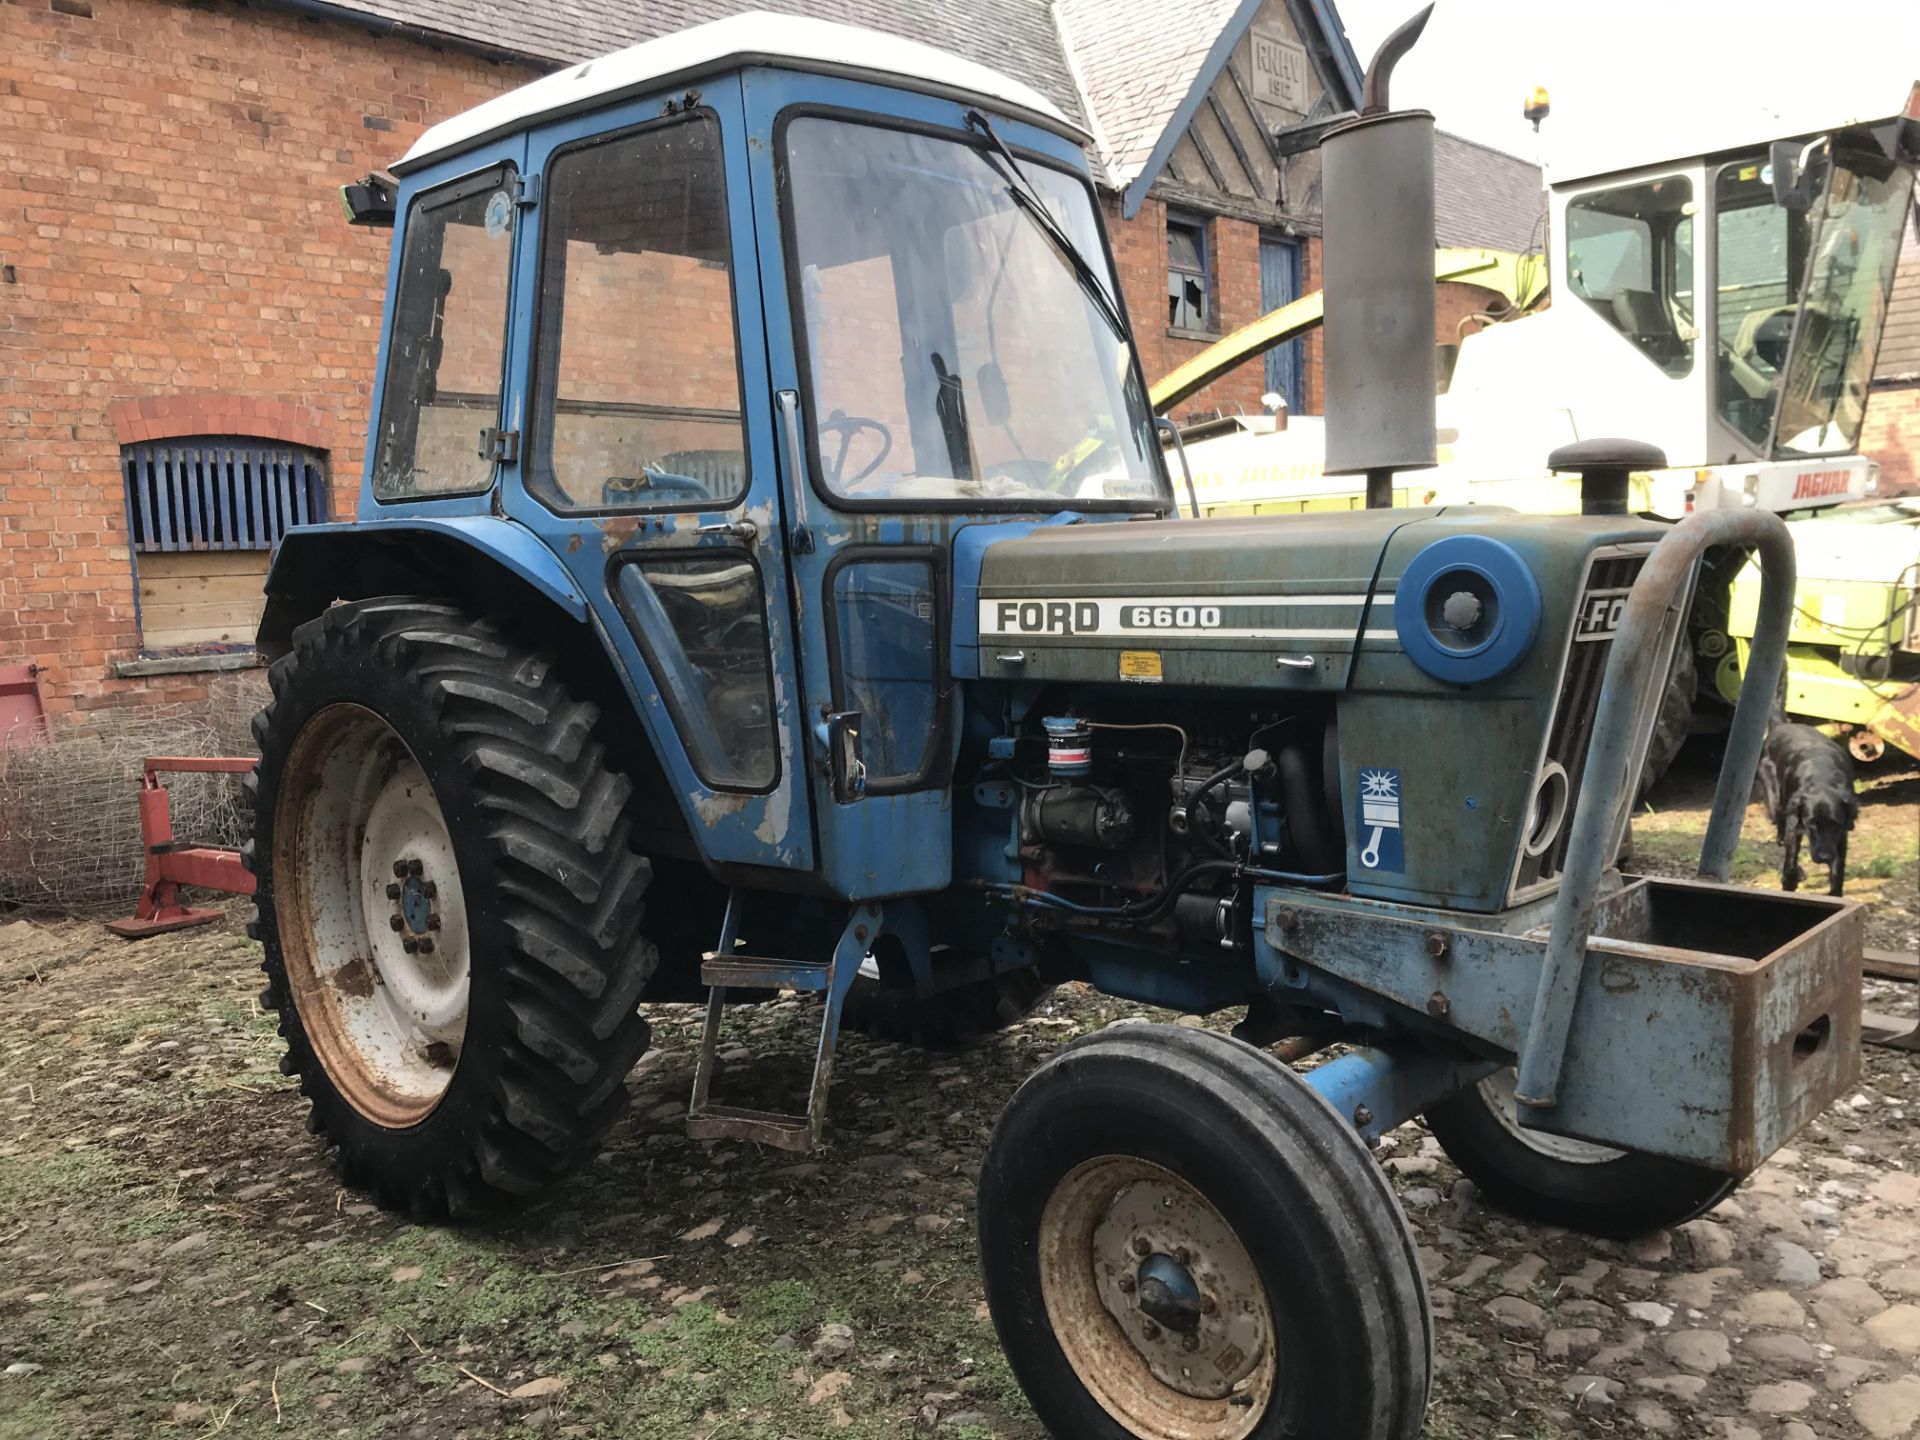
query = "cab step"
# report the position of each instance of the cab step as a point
(755, 972)
(725, 970)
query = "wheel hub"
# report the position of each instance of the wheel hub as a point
(1181, 1287)
(374, 921)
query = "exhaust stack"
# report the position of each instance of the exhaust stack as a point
(1377, 194)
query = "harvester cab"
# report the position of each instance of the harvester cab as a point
(766, 576)
(1724, 305)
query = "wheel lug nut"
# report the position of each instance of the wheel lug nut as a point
(1150, 1330)
(1142, 1246)
(433, 922)
(410, 945)
(414, 867)
(393, 890)
(1126, 1284)
(1192, 1342)
(429, 889)
(394, 922)
(1208, 1305)
(424, 945)
(399, 869)
(1183, 1255)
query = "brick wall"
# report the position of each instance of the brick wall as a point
(172, 252)
(1891, 435)
(1140, 255)
(173, 262)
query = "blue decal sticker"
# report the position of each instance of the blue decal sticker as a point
(1379, 811)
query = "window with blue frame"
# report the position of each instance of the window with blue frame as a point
(636, 368)
(203, 516)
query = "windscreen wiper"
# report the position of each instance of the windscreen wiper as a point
(1035, 209)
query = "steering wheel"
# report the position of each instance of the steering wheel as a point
(846, 427)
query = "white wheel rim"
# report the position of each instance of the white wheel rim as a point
(372, 915)
(1211, 1376)
(1497, 1090)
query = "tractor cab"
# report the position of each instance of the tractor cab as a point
(742, 325)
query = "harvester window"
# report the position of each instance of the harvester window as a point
(1187, 286)
(1630, 257)
(1802, 301)
(950, 355)
(637, 388)
(447, 342)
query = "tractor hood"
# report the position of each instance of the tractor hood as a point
(1286, 599)
(1276, 602)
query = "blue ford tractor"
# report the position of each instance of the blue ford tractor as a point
(766, 575)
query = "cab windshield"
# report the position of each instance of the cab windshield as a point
(1802, 302)
(951, 356)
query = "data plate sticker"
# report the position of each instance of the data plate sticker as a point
(1141, 666)
(1378, 809)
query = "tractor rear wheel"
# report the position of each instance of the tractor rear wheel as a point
(1591, 1188)
(1180, 1239)
(448, 903)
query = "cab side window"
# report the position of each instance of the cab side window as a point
(447, 342)
(636, 369)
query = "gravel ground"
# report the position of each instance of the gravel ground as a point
(177, 1259)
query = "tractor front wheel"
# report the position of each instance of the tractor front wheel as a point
(1591, 1188)
(448, 903)
(1180, 1239)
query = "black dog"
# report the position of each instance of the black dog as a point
(1808, 781)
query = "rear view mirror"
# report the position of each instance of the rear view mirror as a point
(1792, 183)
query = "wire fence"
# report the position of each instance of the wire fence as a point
(69, 806)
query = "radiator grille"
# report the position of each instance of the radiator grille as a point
(220, 493)
(1572, 723)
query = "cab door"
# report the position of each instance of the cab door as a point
(644, 460)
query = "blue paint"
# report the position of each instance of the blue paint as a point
(1509, 615)
(1379, 822)
(1377, 1090)
(512, 546)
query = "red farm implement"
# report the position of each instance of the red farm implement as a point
(170, 863)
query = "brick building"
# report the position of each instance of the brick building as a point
(180, 297)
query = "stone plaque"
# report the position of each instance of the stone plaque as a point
(1280, 72)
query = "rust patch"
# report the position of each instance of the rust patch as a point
(573, 542)
(354, 979)
(616, 530)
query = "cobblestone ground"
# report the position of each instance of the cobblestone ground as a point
(176, 1257)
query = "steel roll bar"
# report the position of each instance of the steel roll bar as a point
(1660, 590)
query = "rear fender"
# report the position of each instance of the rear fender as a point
(318, 564)
(494, 567)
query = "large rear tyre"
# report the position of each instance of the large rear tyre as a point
(448, 903)
(1180, 1239)
(1591, 1188)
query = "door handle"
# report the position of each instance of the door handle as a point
(739, 529)
(789, 403)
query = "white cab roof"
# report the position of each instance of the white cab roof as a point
(1819, 100)
(795, 42)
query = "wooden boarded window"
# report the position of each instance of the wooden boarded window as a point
(204, 515)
